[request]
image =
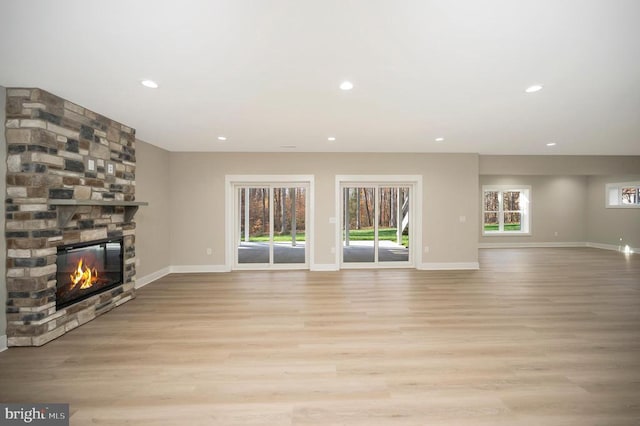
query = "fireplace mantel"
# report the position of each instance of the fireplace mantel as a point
(68, 208)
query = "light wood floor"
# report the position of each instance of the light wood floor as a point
(537, 337)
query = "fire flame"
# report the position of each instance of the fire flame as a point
(85, 277)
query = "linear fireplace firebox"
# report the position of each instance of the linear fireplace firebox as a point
(87, 269)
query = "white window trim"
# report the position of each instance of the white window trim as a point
(526, 211)
(613, 195)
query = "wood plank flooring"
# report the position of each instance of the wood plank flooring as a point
(536, 337)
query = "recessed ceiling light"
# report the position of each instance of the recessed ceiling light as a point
(331, 139)
(534, 88)
(551, 144)
(346, 85)
(222, 138)
(439, 139)
(150, 84)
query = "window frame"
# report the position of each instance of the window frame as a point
(613, 195)
(525, 209)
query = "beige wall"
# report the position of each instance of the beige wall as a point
(606, 225)
(557, 205)
(187, 195)
(560, 165)
(197, 191)
(153, 221)
(3, 189)
(551, 177)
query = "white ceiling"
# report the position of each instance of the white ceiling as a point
(266, 73)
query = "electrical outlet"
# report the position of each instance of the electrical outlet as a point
(209, 251)
(426, 249)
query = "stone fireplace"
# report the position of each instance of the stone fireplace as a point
(70, 186)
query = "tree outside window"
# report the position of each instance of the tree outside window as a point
(623, 195)
(631, 195)
(505, 210)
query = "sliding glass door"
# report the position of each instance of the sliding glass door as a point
(271, 224)
(375, 225)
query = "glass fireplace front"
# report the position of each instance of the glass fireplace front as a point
(87, 269)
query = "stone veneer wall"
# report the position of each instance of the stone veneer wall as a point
(49, 141)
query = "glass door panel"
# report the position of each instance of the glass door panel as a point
(289, 221)
(255, 243)
(271, 222)
(359, 224)
(376, 225)
(393, 224)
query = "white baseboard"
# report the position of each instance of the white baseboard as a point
(602, 246)
(3, 343)
(329, 267)
(532, 245)
(448, 266)
(179, 269)
(612, 247)
(320, 267)
(141, 282)
(194, 269)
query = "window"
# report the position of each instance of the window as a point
(623, 195)
(505, 210)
